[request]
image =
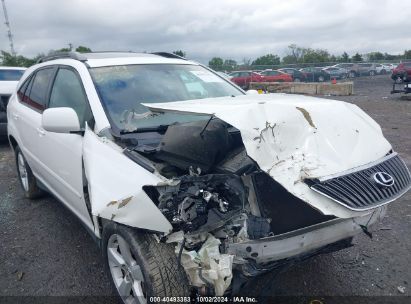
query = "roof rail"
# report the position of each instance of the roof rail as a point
(168, 55)
(61, 55)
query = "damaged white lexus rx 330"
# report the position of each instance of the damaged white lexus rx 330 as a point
(188, 183)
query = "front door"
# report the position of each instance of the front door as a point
(62, 153)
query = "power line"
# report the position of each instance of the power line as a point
(7, 23)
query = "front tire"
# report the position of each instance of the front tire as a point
(27, 179)
(140, 267)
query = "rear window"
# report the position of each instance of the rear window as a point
(11, 75)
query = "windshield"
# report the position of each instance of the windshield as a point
(123, 89)
(11, 75)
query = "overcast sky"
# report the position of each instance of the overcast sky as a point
(227, 28)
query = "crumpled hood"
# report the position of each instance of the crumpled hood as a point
(294, 137)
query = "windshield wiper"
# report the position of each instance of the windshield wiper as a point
(160, 129)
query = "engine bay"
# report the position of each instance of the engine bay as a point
(215, 194)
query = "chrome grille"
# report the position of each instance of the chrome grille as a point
(358, 190)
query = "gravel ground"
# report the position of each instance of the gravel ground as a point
(46, 251)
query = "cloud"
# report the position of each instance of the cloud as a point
(228, 28)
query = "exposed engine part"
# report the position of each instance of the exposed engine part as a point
(188, 145)
(236, 162)
(195, 201)
(213, 197)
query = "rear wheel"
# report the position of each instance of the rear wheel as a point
(27, 179)
(321, 78)
(141, 267)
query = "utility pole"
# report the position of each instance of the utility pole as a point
(7, 23)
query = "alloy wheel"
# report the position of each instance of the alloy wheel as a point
(23, 171)
(126, 273)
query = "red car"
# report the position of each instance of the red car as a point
(276, 76)
(402, 72)
(243, 78)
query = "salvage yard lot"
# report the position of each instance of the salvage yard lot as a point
(45, 250)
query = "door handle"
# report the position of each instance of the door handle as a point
(41, 132)
(15, 116)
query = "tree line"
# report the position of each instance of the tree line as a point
(294, 55)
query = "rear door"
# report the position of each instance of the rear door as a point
(32, 97)
(61, 153)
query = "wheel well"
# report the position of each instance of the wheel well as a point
(13, 142)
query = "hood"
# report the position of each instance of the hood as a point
(293, 137)
(7, 87)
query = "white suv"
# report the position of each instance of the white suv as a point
(186, 182)
(9, 78)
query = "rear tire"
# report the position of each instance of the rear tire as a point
(155, 263)
(26, 177)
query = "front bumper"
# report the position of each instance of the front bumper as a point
(305, 240)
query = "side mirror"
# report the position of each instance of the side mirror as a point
(60, 120)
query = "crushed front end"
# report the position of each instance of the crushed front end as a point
(232, 219)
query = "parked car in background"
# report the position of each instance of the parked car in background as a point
(348, 67)
(276, 76)
(365, 69)
(391, 66)
(9, 78)
(358, 69)
(314, 74)
(296, 74)
(243, 78)
(382, 69)
(336, 73)
(402, 72)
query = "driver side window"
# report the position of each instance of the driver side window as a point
(68, 91)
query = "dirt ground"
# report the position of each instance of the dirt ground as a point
(45, 250)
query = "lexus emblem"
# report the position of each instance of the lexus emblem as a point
(383, 179)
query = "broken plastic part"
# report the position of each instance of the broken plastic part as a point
(215, 268)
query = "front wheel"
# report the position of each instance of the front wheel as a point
(140, 266)
(321, 78)
(27, 179)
